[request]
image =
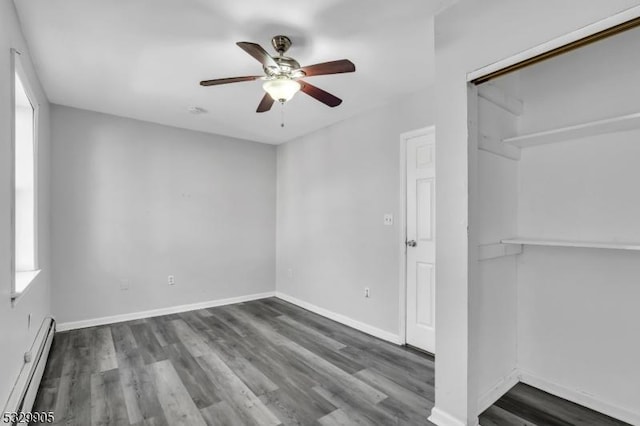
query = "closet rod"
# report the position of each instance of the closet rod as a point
(617, 29)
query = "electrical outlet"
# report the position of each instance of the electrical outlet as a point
(367, 292)
(171, 280)
(290, 273)
(388, 219)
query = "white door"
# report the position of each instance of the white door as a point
(421, 252)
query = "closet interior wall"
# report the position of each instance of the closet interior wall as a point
(560, 312)
(493, 206)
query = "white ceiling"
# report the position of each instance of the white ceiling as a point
(144, 59)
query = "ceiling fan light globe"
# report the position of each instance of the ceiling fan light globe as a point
(281, 89)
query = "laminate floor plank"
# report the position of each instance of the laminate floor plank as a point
(222, 314)
(219, 329)
(356, 407)
(529, 405)
(203, 392)
(140, 394)
(302, 408)
(244, 402)
(59, 347)
(203, 313)
(103, 352)
(177, 405)
(333, 377)
(405, 414)
(496, 416)
(264, 362)
(159, 420)
(255, 327)
(306, 337)
(309, 364)
(271, 361)
(221, 414)
(192, 340)
(338, 418)
(122, 336)
(73, 402)
(557, 407)
(313, 341)
(107, 401)
(194, 320)
(293, 402)
(312, 333)
(77, 359)
(347, 335)
(266, 306)
(249, 373)
(420, 382)
(46, 397)
(163, 334)
(409, 400)
(258, 309)
(148, 344)
(127, 352)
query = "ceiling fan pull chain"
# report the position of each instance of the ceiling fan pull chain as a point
(281, 114)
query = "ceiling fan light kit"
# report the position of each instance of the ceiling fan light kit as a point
(281, 89)
(283, 74)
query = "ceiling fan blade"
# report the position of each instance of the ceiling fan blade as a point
(333, 67)
(229, 80)
(319, 94)
(258, 52)
(265, 104)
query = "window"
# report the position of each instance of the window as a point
(24, 211)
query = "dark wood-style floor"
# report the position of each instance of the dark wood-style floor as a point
(524, 405)
(264, 362)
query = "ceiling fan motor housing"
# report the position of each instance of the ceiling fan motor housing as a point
(287, 67)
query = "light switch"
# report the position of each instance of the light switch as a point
(388, 219)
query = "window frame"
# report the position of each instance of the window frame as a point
(18, 68)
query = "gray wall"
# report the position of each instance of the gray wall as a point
(16, 334)
(135, 202)
(334, 186)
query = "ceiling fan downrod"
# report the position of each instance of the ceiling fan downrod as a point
(281, 44)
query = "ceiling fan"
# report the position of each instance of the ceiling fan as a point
(283, 74)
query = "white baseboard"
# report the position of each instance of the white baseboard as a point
(580, 398)
(442, 418)
(501, 387)
(162, 311)
(342, 319)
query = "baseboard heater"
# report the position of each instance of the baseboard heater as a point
(24, 392)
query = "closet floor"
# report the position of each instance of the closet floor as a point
(264, 362)
(524, 405)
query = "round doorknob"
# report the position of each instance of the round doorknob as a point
(412, 243)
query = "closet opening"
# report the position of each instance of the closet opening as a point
(554, 208)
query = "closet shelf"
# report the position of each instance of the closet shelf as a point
(609, 125)
(565, 243)
(495, 250)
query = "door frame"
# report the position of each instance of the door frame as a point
(402, 224)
